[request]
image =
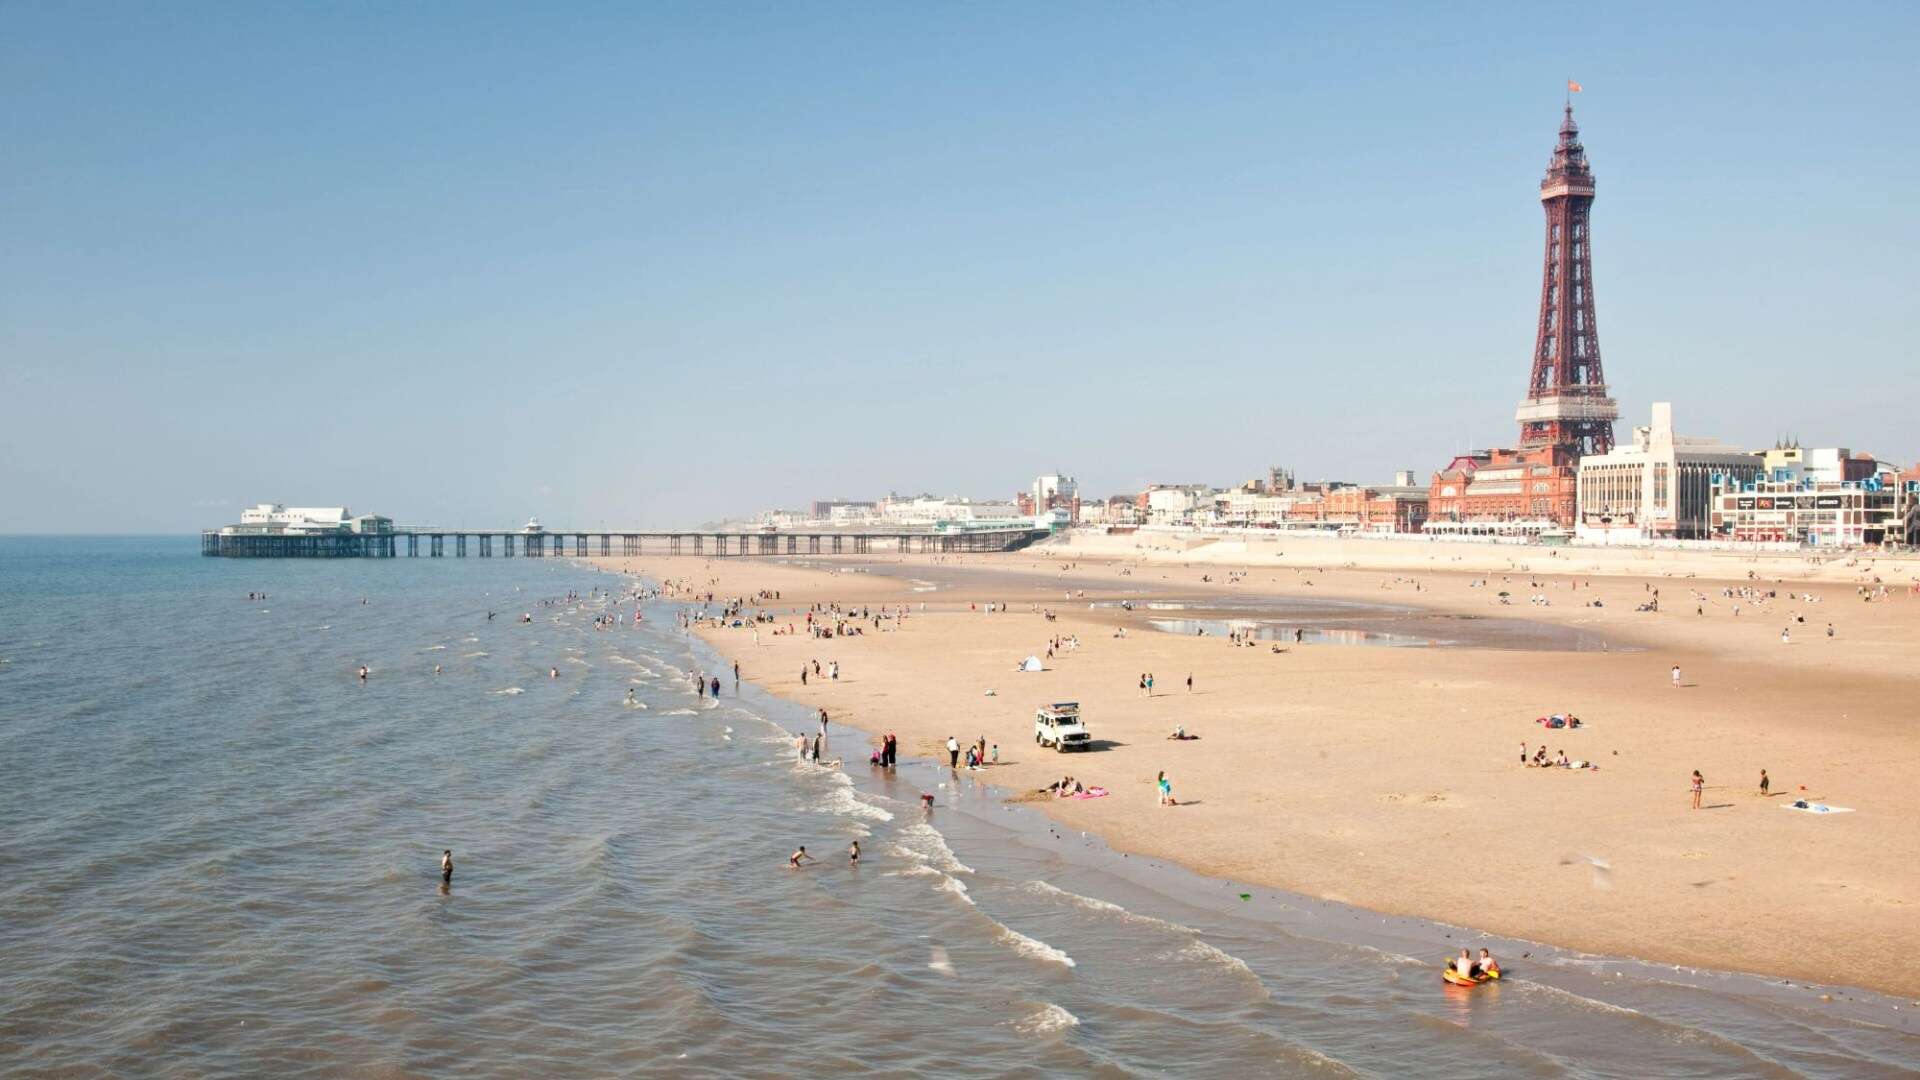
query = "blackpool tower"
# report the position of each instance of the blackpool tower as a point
(1567, 403)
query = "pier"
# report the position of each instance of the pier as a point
(561, 543)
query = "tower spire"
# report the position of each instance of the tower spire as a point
(1567, 403)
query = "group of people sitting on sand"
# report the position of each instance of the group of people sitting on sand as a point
(1465, 965)
(1560, 761)
(1062, 788)
(1558, 721)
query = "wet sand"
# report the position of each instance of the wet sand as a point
(1389, 777)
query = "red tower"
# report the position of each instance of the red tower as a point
(1567, 403)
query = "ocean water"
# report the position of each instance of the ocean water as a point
(218, 857)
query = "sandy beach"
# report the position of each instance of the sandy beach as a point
(1390, 777)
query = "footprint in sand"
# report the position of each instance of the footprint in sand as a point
(1395, 797)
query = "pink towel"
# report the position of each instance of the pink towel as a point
(1090, 793)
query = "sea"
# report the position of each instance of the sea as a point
(219, 856)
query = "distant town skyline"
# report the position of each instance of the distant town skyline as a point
(666, 266)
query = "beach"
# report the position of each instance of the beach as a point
(1390, 777)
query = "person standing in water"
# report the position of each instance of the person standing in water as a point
(853, 853)
(446, 867)
(794, 860)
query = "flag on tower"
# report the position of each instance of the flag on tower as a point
(1572, 87)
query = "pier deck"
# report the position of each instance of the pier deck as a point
(555, 542)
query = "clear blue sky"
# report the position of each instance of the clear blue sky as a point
(656, 263)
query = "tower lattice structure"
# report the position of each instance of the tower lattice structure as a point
(1567, 403)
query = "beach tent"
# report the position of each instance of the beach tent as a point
(1032, 663)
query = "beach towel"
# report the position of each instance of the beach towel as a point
(1816, 808)
(1090, 793)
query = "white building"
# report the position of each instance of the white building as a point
(1054, 491)
(1656, 488)
(296, 520)
(1179, 504)
(927, 510)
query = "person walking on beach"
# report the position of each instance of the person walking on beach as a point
(1149, 684)
(446, 867)
(1189, 682)
(1764, 783)
(1699, 785)
(1165, 789)
(1676, 676)
(803, 674)
(953, 752)
(1143, 684)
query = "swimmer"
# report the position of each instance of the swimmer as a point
(553, 673)
(793, 860)
(446, 866)
(363, 673)
(436, 669)
(630, 699)
(853, 853)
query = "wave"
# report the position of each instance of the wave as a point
(1032, 948)
(1203, 952)
(1048, 1019)
(433, 648)
(511, 691)
(577, 660)
(953, 886)
(923, 842)
(1104, 907)
(678, 712)
(472, 655)
(842, 800)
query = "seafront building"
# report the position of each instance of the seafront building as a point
(1825, 513)
(1051, 492)
(275, 519)
(1831, 465)
(1658, 486)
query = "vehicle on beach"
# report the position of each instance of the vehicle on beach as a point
(1058, 725)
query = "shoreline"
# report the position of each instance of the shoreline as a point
(897, 679)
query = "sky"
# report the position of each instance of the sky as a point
(651, 265)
